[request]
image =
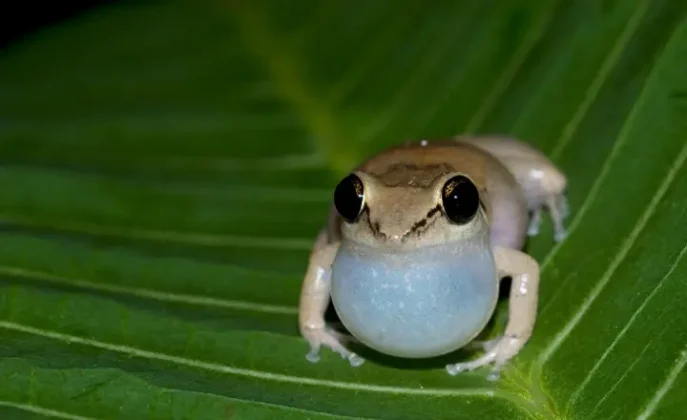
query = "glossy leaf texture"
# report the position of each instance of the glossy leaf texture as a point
(165, 167)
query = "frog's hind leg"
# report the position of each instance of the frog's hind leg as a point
(557, 206)
(542, 183)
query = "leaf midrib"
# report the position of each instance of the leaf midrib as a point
(284, 67)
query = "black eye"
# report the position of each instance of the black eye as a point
(348, 198)
(461, 199)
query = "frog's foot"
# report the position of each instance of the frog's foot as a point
(501, 350)
(327, 337)
(535, 221)
(557, 205)
(559, 210)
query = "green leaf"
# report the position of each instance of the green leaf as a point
(166, 166)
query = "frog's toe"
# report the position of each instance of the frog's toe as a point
(560, 235)
(535, 221)
(488, 358)
(355, 360)
(313, 355)
(533, 229)
(326, 337)
(494, 375)
(558, 208)
(454, 369)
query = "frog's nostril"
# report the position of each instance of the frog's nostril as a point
(391, 234)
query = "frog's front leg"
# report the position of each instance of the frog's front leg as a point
(521, 315)
(315, 297)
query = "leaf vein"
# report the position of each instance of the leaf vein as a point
(47, 412)
(506, 78)
(402, 97)
(257, 374)
(284, 162)
(187, 299)
(665, 387)
(627, 326)
(605, 70)
(607, 164)
(368, 59)
(626, 372)
(286, 69)
(187, 238)
(619, 258)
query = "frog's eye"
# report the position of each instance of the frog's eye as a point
(348, 198)
(460, 198)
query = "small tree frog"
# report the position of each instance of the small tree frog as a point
(419, 237)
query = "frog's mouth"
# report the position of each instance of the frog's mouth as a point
(430, 249)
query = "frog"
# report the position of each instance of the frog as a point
(417, 242)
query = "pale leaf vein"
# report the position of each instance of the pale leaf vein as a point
(257, 374)
(187, 299)
(47, 412)
(595, 87)
(665, 386)
(627, 326)
(619, 258)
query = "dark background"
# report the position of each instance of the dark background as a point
(19, 19)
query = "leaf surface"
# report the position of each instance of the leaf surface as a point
(166, 166)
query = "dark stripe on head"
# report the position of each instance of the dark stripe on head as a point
(419, 225)
(374, 227)
(434, 211)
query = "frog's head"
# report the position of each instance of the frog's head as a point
(410, 205)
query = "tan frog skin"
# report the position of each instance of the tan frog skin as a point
(415, 272)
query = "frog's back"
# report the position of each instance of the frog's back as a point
(417, 164)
